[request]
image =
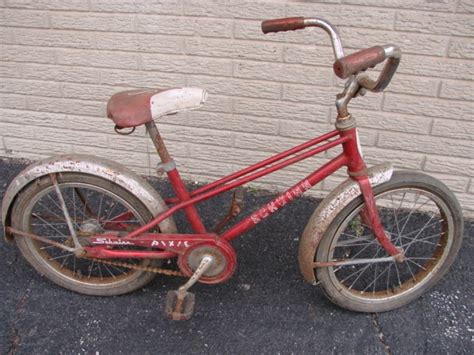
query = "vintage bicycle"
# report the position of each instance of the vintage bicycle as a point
(377, 242)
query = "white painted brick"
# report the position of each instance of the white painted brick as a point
(17, 129)
(467, 203)
(281, 109)
(133, 143)
(455, 183)
(454, 24)
(354, 16)
(135, 160)
(89, 123)
(326, 96)
(293, 73)
(6, 35)
(309, 54)
(184, 26)
(217, 103)
(392, 121)
(266, 92)
(436, 67)
(60, 73)
(20, 145)
(453, 129)
(160, 44)
(29, 87)
(236, 87)
(68, 136)
(61, 105)
(8, 100)
(414, 85)
(169, 7)
(461, 48)
(399, 159)
(53, 38)
(233, 49)
(24, 18)
(97, 59)
(140, 79)
(466, 6)
(192, 167)
(10, 70)
(450, 165)
(187, 64)
(139, 42)
(457, 90)
(252, 30)
(438, 5)
(304, 130)
(229, 122)
(428, 107)
(235, 9)
(414, 43)
(33, 118)
(89, 92)
(57, 120)
(50, 4)
(27, 54)
(196, 135)
(426, 144)
(236, 155)
(265, 143)
(93, 22)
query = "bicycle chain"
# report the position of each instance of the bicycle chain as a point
(155, 270)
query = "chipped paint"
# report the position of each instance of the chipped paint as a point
(327, 210)
(87, 164)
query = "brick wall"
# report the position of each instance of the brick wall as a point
(62, 59)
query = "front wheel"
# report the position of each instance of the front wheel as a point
(421, 216)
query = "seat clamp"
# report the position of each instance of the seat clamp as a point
(166, 167)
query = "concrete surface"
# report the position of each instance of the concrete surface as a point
(265, 308)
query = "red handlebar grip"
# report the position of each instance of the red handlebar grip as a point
(283, 24)
(359, 61)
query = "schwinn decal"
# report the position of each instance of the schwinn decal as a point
(280, 201)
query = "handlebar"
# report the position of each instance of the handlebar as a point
(346, 66)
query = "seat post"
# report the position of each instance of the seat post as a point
(175, 179)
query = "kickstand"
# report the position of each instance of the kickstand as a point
(179, 305)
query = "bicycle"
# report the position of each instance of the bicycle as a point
(377, 242)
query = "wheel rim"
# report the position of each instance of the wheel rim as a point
(92, 209)
(418, 221)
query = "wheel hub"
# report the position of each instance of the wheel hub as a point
(90, 226)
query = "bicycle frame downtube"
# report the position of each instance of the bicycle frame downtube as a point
(220, 189)
(289, 195)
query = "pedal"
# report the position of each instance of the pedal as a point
(179, 305)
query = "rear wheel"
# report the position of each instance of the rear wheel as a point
(95, 205)
(421, 216)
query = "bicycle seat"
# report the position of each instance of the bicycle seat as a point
(132, 108)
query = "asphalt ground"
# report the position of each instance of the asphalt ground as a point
(265, 308)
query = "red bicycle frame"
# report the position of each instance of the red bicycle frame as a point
(171, 245)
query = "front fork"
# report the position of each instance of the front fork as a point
(357, 170)
(370, 216)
